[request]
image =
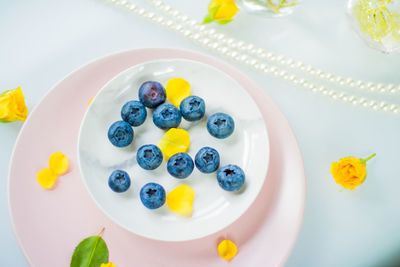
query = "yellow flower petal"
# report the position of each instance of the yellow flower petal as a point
(58, 163)
(226, 11)
(174, 141)
(227, 250)
(90, 102)
(180, 200)
(110, 264)
(46, 178)
(177, 89)
(12, 106)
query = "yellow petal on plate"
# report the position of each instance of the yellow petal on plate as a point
(180, 200)
(58, 163)
(46, 178)
(227, 250)
(174, 141)
(110, 264)
(177, 89)
(90, 102)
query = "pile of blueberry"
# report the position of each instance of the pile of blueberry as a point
(165, 116)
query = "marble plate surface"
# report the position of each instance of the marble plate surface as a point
(214, 208)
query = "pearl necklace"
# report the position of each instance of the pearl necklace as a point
(260, 59)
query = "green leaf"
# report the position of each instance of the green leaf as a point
(207, 19)
(213, 11)
(91, 252)
(223, 21)
(5, 92)
(4, 121)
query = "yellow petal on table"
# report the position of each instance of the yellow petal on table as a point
(12, 106)
(46, 178)
(110, 264)
(227, 250)
(58, 163)
(177, 89)
(180, 200)
(174, 141)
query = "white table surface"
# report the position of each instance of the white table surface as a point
(42, 41)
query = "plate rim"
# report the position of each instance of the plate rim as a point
(236, 217)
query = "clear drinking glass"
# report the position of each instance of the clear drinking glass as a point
(269, 8)
(377, 22)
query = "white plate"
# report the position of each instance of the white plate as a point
(214, 208)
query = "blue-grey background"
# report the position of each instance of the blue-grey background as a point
(42, 41)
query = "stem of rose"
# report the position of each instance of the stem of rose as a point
(370, 157)
(272, 6)
(101, 231)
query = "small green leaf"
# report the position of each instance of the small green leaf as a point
(91, 252)
(207, 19)
(4, 121)
(5, 92)
(213, 11)
(223, 21)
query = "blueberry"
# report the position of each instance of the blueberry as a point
(231, 177)
(220, 125)
(120, 134)
(193, 108)
(167, 116)
(207, 160)
(152, 94)
(180, 165)
(119, 181)
(149, 157)
(152, 196)
(134, 113)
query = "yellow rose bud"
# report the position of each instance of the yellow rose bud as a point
(350, 172)
(12, 106)
(221, 11)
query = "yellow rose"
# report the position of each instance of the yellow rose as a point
(350, 172)
(12, 106)
(221, 11)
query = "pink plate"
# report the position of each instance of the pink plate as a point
(49, 224)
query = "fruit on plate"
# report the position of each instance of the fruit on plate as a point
(180, 200)
(174, 141)
(134, 113)
(193, 108)
(152, 94)
(120, 134)
(207, 160)
(166, 116)
(177, 89)
(152, 196)
(230, 177)
(220, 125)
(149, 157)
(119, 181)
(180, 165)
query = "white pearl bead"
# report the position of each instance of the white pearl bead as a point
(249, 47)
(186, 33)
(289, 62)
